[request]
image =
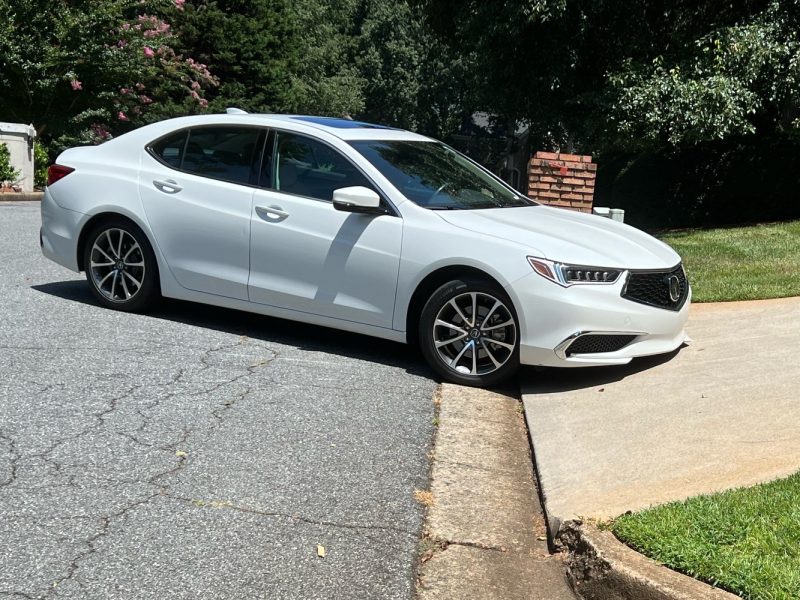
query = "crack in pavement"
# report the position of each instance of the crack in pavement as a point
(223, 504)
(12, 450)
(99, 416)
(105, 523)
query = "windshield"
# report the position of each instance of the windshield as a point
(435, 176)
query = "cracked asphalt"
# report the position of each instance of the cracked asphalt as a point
(198, 452)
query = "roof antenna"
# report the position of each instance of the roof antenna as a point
(235, 111)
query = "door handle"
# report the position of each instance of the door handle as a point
(168, 186)
(273, 214)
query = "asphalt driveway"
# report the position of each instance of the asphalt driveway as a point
(719, 413)
(198, 452)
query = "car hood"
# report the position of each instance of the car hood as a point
(568, 236)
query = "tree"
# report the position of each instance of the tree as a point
(81, 70)
(325, 81)
(734, 80)
(251, 45)
(411, 79)
(599, 74)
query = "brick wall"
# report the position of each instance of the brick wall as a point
(565, 180)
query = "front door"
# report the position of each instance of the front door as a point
(309, 257)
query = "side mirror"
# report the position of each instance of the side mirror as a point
(357, 199)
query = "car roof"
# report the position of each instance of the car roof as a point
(346, 129)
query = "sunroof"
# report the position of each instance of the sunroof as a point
(340, 123)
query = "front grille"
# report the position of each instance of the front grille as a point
(653, 288)
(596, 344)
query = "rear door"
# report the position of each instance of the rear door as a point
(197, 187)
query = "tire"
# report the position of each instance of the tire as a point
(120, 266)
(480, 352)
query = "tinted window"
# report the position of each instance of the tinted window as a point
(170, 149)
(310, 168)
(224, 153)
(437, 177)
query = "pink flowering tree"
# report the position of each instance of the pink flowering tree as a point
(84, 70)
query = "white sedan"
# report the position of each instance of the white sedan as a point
(364, 228)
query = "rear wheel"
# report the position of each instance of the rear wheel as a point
(120, 266)
(469, 333)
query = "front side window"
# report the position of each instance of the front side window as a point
(306, 167)
(435, 176)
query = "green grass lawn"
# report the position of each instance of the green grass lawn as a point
(740, 263)
(745, 540)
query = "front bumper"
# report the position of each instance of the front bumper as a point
(550, 315)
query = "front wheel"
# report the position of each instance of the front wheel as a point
(469, 333)
(120, 266)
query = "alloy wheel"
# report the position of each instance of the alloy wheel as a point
(117, 265)
(474, 333)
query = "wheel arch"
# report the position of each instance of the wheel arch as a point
(102, 217)
(429, 284)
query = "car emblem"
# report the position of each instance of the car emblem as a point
(674, 285)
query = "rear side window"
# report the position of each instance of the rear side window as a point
(170, 149)
(225, 153)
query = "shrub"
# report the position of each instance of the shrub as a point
(749, 180)
(7, 172)
(41, 161)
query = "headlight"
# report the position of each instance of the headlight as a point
(568, 275)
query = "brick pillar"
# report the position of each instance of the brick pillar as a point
(564, 180)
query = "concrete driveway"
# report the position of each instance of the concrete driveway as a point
(722, 412)
(198, 452)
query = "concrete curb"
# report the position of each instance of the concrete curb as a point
(20, 197)
(600, 567)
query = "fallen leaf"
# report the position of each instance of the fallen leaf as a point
(180, 453)
(320, 551)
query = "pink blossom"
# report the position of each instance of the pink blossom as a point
(148, 52)
(145, 99)
(195, 85)
(122, 44)
(179, 4)
(203, 103)
(100, 131)
(122, 116)
(125, 91)
(76, 85)
(139, 86)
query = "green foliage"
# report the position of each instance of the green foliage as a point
(7, 172)
(603, 75)
(411, 79)
(735, 80)
(727, 264)
(252, 48)
(743, 540)
(325, 81)
(82, 70)
(741, 180)
(41, 161)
